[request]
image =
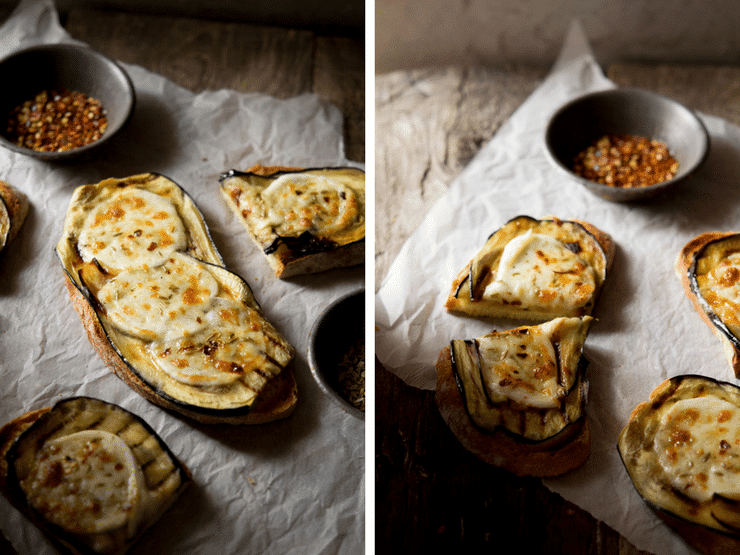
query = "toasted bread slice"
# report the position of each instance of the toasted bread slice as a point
(13, 211)
(91, 475)
(517, 399)
(303, 220)
(534, 270)
(162, 311)
(709, 269)
(679, 449)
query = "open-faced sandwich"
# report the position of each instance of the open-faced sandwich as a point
(161, 309)
(303, 220)
(13, 211)
(91, 475)
(517, 399)
(709, 269)
(534, 270)
(681, 449)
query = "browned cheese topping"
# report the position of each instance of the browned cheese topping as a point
(621, 160)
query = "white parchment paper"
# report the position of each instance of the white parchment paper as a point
(647, 329)
(290, 487)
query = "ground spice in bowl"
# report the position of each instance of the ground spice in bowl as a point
(351, 377)
(57, 121)
(621, 160)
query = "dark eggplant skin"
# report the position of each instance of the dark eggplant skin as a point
(694, 285)
(202, 248)
(63, 540)
(306, 243)
(580, 381)
(467, 287)
(718, 538)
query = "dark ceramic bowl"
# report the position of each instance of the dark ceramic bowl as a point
(338, 329)
(635, 112)
(65, 66)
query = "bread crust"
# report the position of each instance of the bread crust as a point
(484, 310)
(553, 457)
(684, 262)
(17, 206)
(289, 263)
(277, 400)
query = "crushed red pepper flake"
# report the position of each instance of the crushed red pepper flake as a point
(57, 121)
(622, 160)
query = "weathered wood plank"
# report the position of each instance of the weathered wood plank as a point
(339, 78)
(714, 90)
(428, 125)
(202, 55)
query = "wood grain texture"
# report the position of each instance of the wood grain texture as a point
(433, 496)
(429, 124)
(711, 89)
(201, 55)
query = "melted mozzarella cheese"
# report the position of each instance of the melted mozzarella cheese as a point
(235, 344)
(87, 482)
(166, 302)
(296, 203)
(539, 271)
(698, 447)
(132, 229)
(522, 368)
(722, 290)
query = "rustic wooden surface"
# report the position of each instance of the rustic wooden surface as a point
(430, 493)
(199, 55)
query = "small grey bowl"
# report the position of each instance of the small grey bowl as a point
(339, 327)
(27, 72)
(635, 112)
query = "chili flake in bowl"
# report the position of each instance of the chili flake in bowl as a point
(622, 160)
(55, 121)
(626, 144)
(336, 352)
(74, 101)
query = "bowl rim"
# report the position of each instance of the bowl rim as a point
(83, 50)
(639, 192)
(312, 356)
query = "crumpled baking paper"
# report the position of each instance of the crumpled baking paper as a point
(647, 329)
(290, 487)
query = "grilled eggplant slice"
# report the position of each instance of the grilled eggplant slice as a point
(159, 306)
(681, 448)
(517, 399)
(13, 210)
(303, 220)
(90, 474)
(534, 270)
(709, 269)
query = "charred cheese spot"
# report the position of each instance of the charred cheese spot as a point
(695, 453)
(296, 203)
(137, 301)
(720, 287)
(526, 373)
(132, 229)
(541, 272)
(87, 482)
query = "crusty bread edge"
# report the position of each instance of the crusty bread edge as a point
(482, 310)
(17, 205)
(342, 257)
(279, 399)
(499, 449)
(684, 262)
